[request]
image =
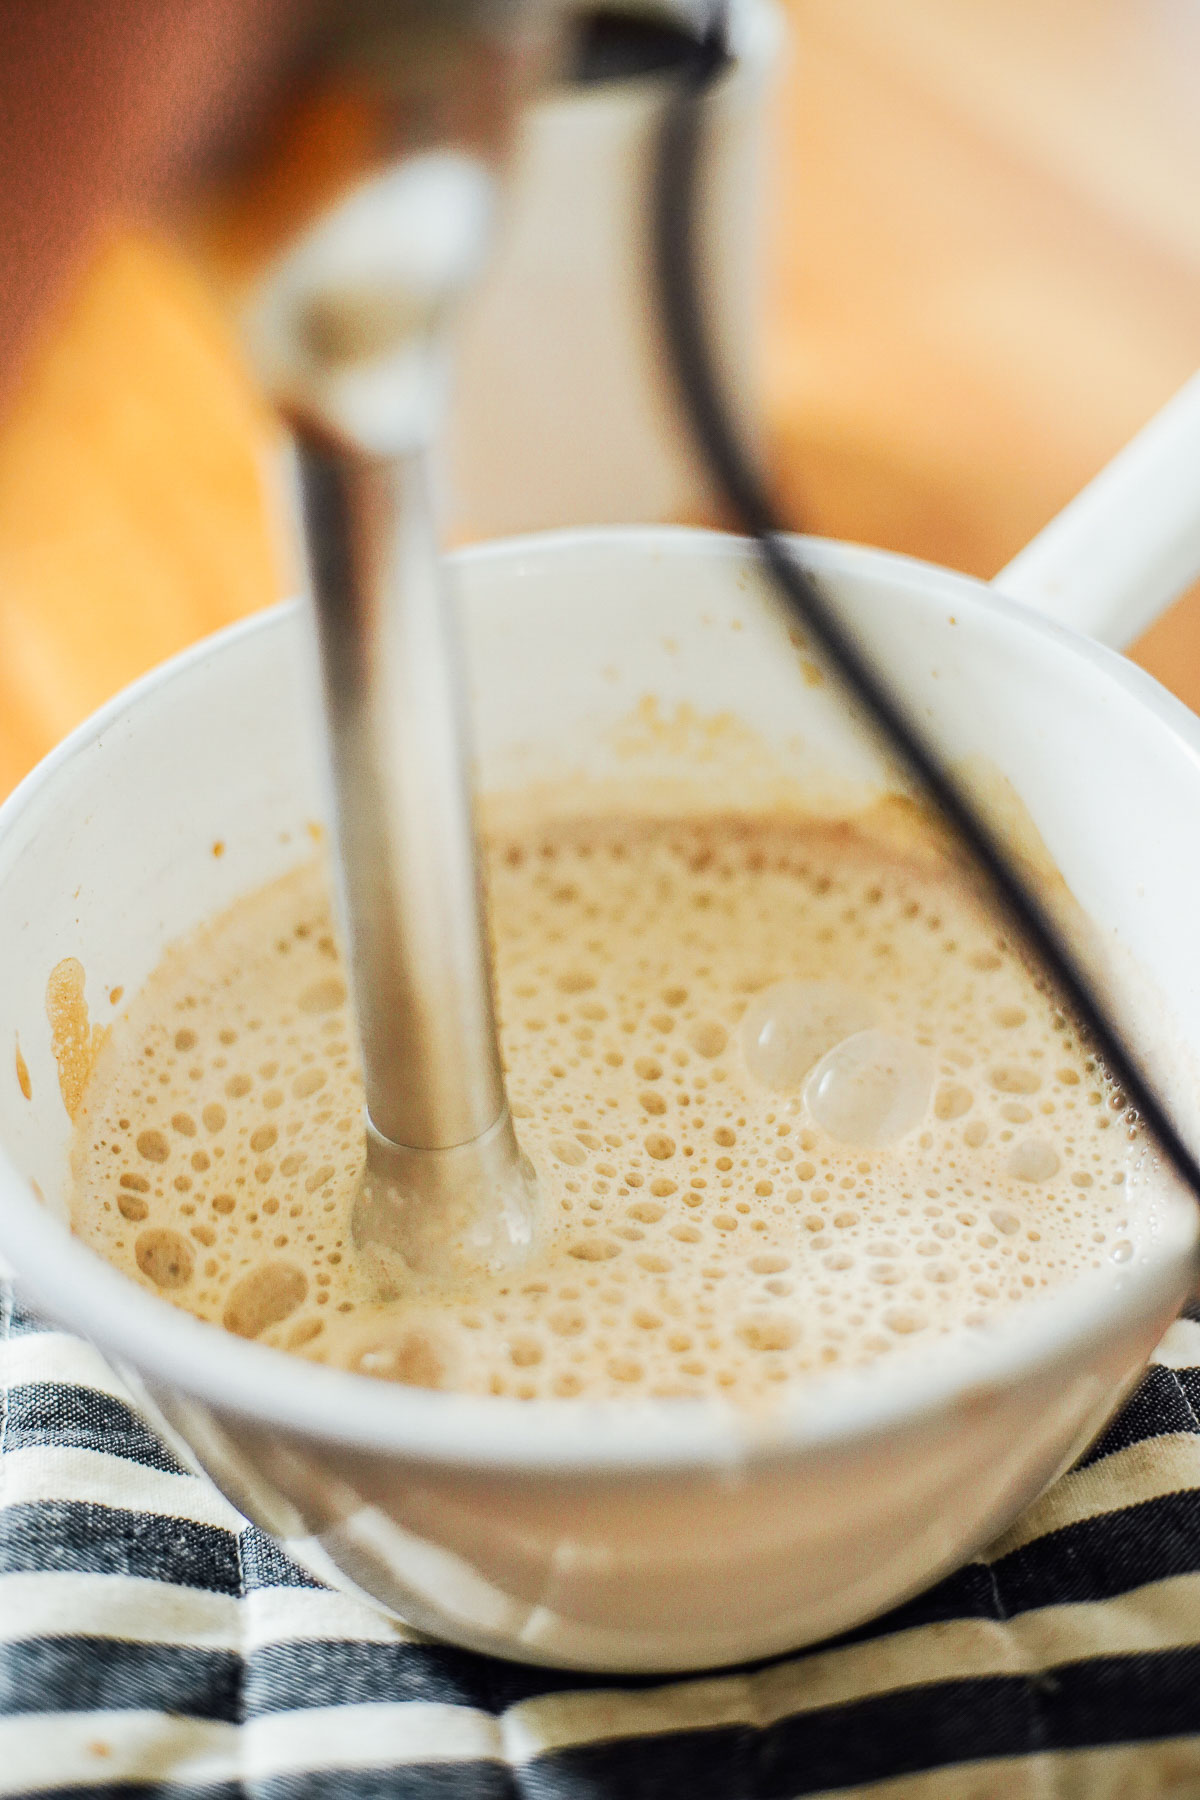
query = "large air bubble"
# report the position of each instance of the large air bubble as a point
(871, 1090)
(791, 1025)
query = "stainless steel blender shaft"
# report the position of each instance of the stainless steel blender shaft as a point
(410, 887)
(446, 1186)
(344, 303)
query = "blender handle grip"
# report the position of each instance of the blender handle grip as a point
(1129, 544)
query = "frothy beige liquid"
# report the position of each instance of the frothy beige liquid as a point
(791, 1101)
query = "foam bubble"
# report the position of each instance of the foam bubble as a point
(1034, 1160)
(871, 1090)
(270, 1293)
(791, 1026)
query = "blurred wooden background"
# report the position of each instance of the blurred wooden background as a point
(984, 276)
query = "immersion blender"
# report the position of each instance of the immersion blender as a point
(345, 230)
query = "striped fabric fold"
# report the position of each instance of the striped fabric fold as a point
(154, 1644)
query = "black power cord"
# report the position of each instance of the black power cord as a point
(676, 188)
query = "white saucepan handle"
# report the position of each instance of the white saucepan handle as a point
(1129, 544)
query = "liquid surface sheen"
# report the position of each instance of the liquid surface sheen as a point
(793, 1104)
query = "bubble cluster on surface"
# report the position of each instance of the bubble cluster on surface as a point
(794, 1104)
(222, 1127)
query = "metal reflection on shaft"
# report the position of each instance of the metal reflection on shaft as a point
(410, 886)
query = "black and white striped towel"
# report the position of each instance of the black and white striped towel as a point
(154, 1644)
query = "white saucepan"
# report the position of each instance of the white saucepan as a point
(661, 1535)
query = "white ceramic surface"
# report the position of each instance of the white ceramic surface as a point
(657, 1535)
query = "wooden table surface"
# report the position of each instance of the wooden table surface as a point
(984, 276)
